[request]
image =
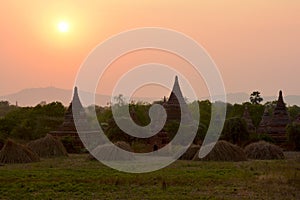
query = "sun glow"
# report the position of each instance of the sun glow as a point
(63, 26)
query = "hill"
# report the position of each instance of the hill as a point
(34, 96)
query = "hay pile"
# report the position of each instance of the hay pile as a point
(224, 151)
(17, 153)
(190, 152)
(124, 145)
(263, 151)
(109, 153)
(47, 147)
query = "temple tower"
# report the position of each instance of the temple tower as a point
(246, 116)
(67, 130)
(279, 121)
(172, 106)
(264, 123)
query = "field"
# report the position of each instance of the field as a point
(77, 177)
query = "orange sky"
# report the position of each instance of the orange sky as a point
(255, 44)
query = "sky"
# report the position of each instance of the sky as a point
(254, 43)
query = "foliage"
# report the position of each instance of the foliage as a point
(294, 112)
(171, 128)
(235, 110)
(202, 129)
(30, 123)
(294, 136)
(139, 113)
(255, 110)
(204, 108)
(255, 137)
(119, 100)
(255, 97)
(235, 131)
(270, 105)
(5, 108)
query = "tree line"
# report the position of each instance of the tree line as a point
(29, 123)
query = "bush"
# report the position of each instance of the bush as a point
(294, 136)
(255, 137)
(235, 131)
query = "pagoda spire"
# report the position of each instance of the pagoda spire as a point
(176, 94)
(174, 103)
(68, 128)
(280, 102)
(279, 121)
(76, 101)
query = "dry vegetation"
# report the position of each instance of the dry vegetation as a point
(47, 147)
(109, 152)
(13, 152)
(224, 151)
(263, 151)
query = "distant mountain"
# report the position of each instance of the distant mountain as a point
(34, 96)
(292, 100)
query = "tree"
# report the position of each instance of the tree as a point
(5, 108)
(294, 136)
(255, 97)
(119, 100)
(235, 131)
(294, 112)
(28, 123)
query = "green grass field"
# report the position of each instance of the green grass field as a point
(78, 178)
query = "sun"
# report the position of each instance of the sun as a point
(63, 26)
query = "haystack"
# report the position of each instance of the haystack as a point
(47, 147)
(109, 153)
(263, 151)
(223, 151)
(124, 145)
(16, 153)
(190, 152)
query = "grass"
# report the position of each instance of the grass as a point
(78, 178)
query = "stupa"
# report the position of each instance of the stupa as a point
(246, 116)
(68, 129)
(173, 104)
(174, 113)
(279, 121)
(264, 123)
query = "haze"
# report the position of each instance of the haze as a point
(254, 43)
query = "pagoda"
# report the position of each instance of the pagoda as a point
(279, 121)
(174, 113)
(249, 123)
(67, 130)
(173, 104)
(264, 123)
